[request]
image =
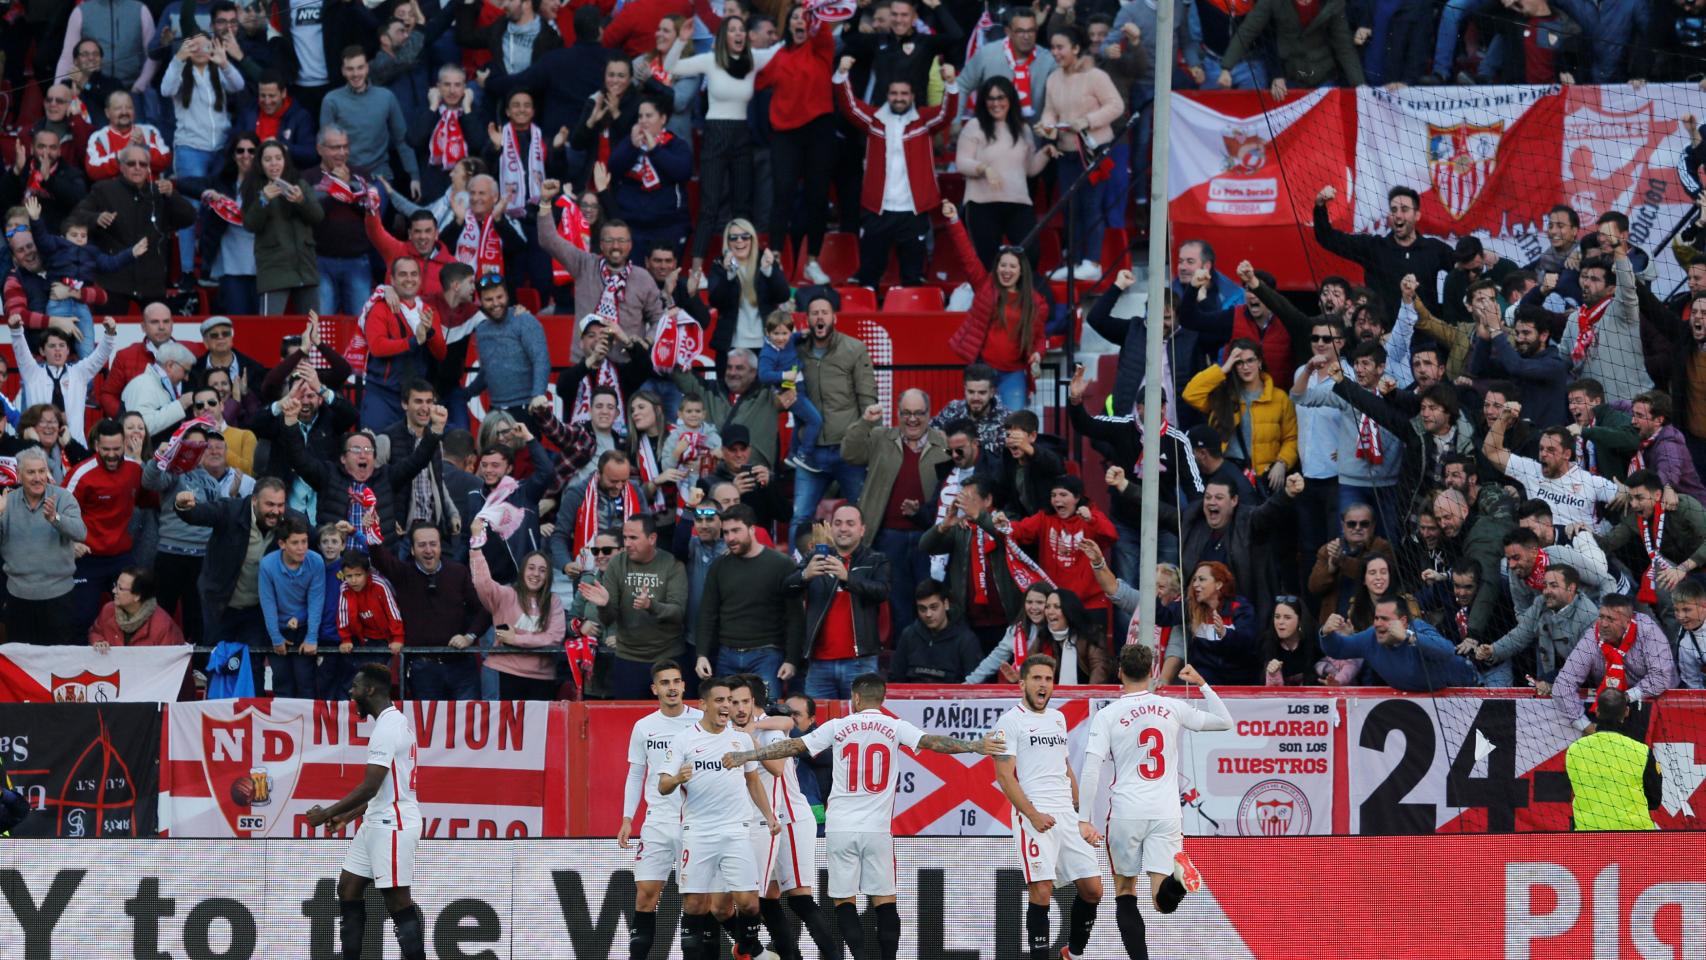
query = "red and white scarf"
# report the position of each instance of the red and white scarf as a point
(1536, 578)
(604, 376)
(355, 352)
(1614, 655)
(1462, 617)
(647, 458)
(364, 516)
(1137, 468)
(179, 456)
(1020, 566)
(580, 650)
(679, 338)
(586, 518)
(1021, 74)
(227, 208)
(1638, 461)
(37, 184)
(448, 147)
(644, 171)
(1586, 453)
(519, 179)
(480, 246)
(356, 192)
(573, 228)
(1652, 538)
(1368, 440)
(1587, 329)
(8, 472)
(615, 290)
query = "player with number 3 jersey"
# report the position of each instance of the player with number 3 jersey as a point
(660, 836)
(1140, 731)
(858, 829)
(1036, 775)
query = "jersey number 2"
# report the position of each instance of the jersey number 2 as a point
(414, 768)
(876, 767)
(1154, 762)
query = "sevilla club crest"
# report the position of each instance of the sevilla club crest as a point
(1274, 808)
(1246, 151)
(1460, 161)
(252, 762)
(85, 687)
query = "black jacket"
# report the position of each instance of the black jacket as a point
(490, 38)
(65, 188)
(1021, 499)
(956, 543)
(142, 213)
(389, 483)
(867, 586)
(334, 420)
(398, 438)
(1385, 262)
(1247, 538)
(723, 291)
(227, 547)
(1189, 352)
(342, 23)
(922, 655)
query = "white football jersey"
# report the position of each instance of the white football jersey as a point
(648, 746)
(1141, 732)
(866, 747)
(716, 801)
(786, 800)
(392, 745)
(1572, 495)
(1037, 743)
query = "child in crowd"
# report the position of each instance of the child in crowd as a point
(779, 367)
(72, 263)
(330, 540)
(368, 616)
(691, 440)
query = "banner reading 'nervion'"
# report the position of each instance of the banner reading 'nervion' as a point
(252, 768)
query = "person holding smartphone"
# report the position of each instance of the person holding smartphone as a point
(845, 583)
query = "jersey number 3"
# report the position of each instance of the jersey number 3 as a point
(875, 763)
(1154, 762)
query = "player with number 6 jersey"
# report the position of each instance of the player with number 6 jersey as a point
(1036, 775)
(659, 851)
(858, 828)
(1140, 731)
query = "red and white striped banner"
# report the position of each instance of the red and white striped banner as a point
(38, 674)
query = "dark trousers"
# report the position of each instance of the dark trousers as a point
(175, 575)
(94, 584)
(908, 567)
(1317, 515)
(512, 687)
(725, 179)
(800, 160)
(332, 679)
(907, 234)
(293, 673)
(442, 677)
(629, 679)
(45, 622)
(245, 626)
(990, 225)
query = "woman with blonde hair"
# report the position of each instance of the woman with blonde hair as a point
(1220, 634)
(744, 286)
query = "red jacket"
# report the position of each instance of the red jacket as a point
(634, 28)
(390, 340)
(920, 161)
(157, 631)
(370, 616)
(1056, 549)
(800, 76)
(1276, 344)
(107, 498)
(127, 365)
(390, 248)
(969, 339)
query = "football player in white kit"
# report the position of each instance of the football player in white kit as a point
(660, 836)
(792, 856)
(383, 852)
(720, 806)
(1036, 775)
(1145, 825)
(861, 805)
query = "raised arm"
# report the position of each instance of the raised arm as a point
(791, 747)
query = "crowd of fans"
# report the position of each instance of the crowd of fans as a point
(1460, 472)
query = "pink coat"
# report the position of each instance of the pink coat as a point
(501, 601)
(158, 631)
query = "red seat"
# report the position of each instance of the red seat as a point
(528, 299)
(913, 300)
(857, 298)
(839, 257)
(945, 266)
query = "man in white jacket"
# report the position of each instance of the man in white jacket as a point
(51, 380)
(158, 391)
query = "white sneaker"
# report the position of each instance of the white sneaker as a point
(1058, 274)
(815, 273)
(1087, 271)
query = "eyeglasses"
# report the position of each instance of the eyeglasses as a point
(219, 333)
(358, 449)
(58, 99)
(490, 280)
(915, 414)
(604, 551)
(1358, 524)
(739, 237)
(134, 163)
(1329, 338)
(1245, 362)
(1286, 598)
(244, 151)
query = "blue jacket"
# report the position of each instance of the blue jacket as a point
(1233, 659)
(66, 259)
(329, 613)
(515, 363)
(229, 675)
(1542, 377)
(1431, 663)
(285, 594)
(773, 364)
(666, 205)
(1188, 349)
(295, 130)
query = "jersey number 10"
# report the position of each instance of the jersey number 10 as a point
(875, 763)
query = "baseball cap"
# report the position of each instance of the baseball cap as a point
(588, 321)
(737, 433)
(1204, 437)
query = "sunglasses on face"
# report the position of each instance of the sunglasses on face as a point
(705, 513)
(1358, 524)
(206, 404)
(244, 151)
(1318, 338)
(739, 237)
(14, 231)
(604, 551)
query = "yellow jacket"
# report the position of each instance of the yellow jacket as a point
(239, 448)
(1273, 434)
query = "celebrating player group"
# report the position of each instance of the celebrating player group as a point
(725, 812)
